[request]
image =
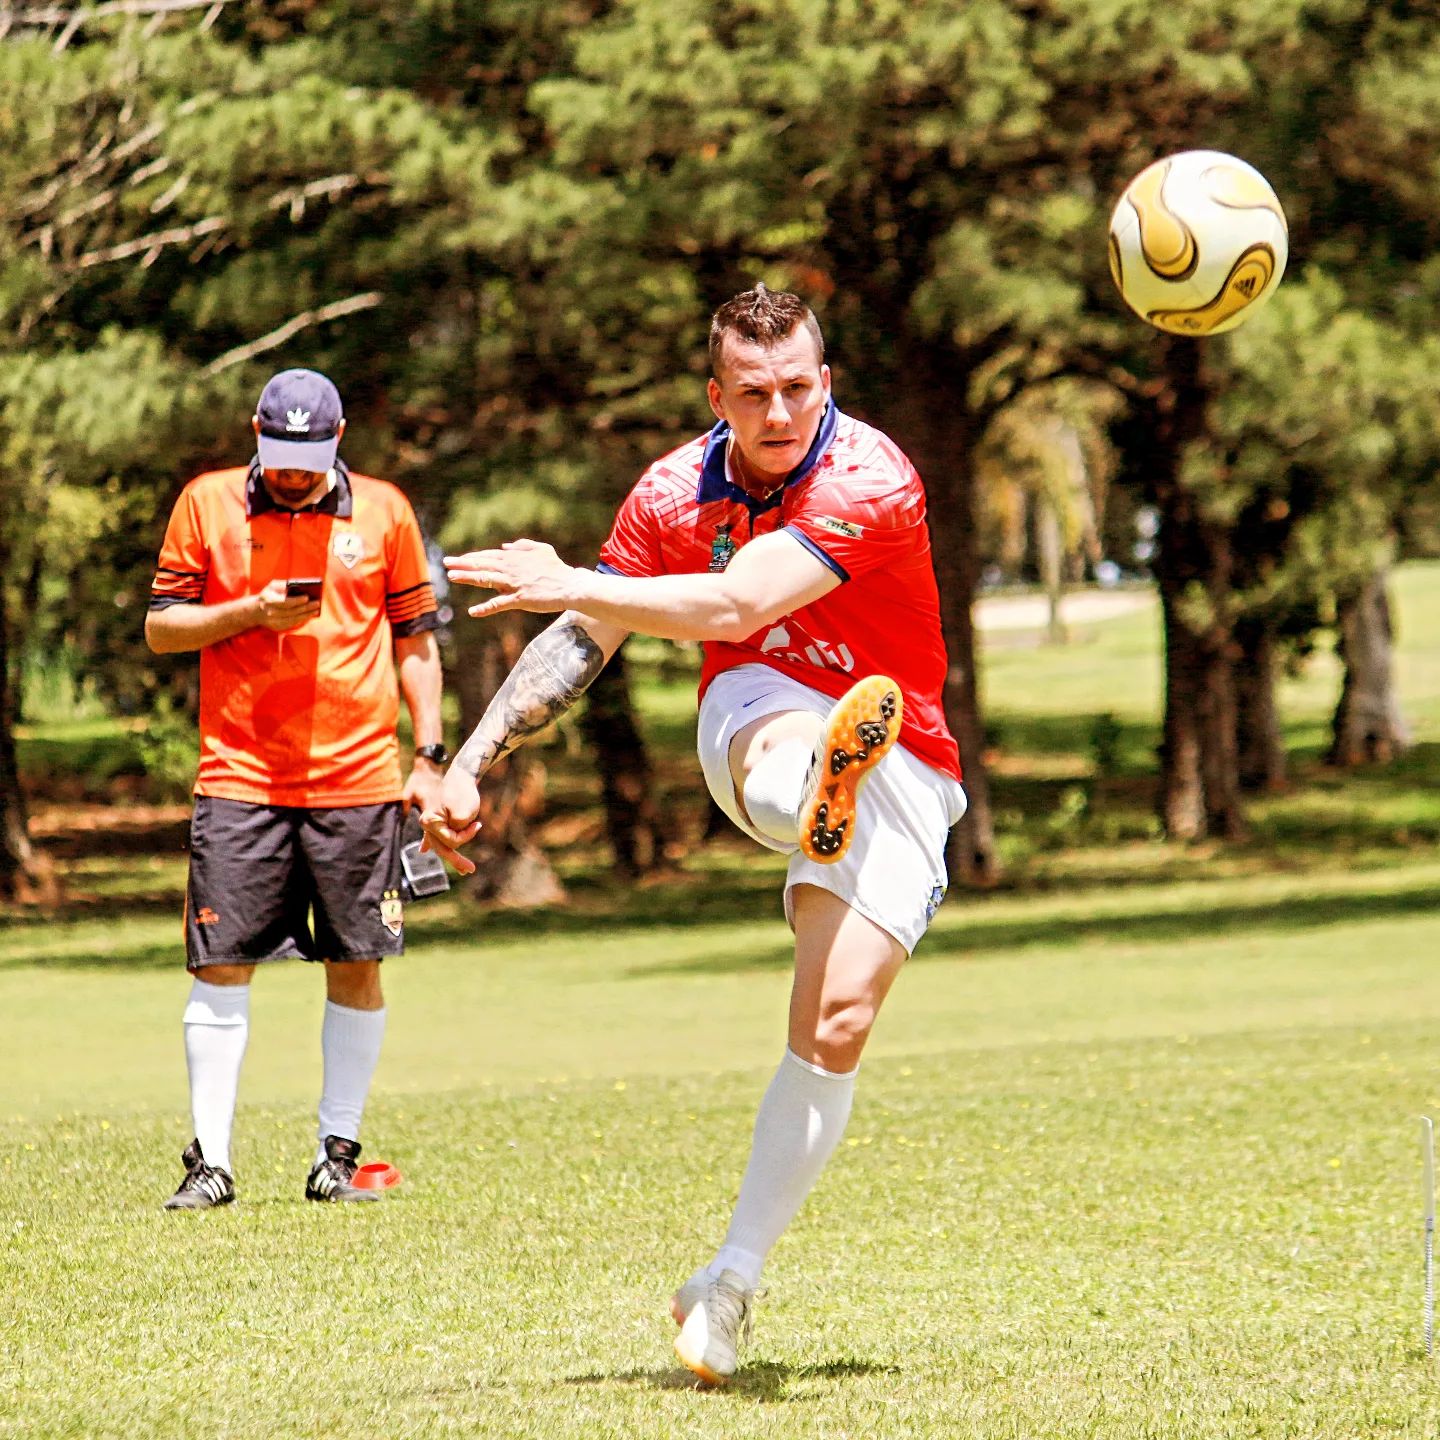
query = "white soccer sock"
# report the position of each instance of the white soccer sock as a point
(350, 1040)
(798, 1126)
(217, 1027)
(772, 789)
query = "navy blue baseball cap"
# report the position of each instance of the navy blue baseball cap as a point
(300, 417)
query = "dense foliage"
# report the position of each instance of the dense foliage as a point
(501, 228)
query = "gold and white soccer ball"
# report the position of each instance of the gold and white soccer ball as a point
(1198, 242)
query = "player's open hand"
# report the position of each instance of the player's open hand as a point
(525, 574)
(277, 611)
(455, 821)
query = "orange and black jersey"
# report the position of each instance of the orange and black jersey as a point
(306, 716)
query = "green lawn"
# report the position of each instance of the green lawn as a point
(1129, 1159)
(1124, 1163)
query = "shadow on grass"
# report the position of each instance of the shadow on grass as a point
(764, 1381)
(987, 939)
(756, 897)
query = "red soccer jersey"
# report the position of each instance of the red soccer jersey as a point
(857, 504)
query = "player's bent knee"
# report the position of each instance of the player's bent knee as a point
(840, 1033)
(354, 984)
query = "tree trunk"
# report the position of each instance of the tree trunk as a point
(1050, 550)
(1200, 775)
(1182, 784)
(1261, 745)
(1368, 725)
(937, 434)
(510, 867)
(632, 820)
(24, 876)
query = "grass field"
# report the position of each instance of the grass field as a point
(1135, 1151)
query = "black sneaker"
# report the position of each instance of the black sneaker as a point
(204, 1186)
(330, 1179)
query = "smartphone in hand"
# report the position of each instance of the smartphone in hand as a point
(310, 589)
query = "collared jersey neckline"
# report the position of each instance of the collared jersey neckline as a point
(715, 482)
(337, 500)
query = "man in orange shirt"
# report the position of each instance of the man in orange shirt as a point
(305, 588)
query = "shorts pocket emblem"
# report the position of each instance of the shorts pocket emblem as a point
(392, 912)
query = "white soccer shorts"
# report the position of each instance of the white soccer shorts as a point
(894, 871)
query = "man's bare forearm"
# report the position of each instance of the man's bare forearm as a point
(181, 628)
(417, 659)
(555, 670)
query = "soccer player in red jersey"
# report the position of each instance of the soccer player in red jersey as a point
(791, 540)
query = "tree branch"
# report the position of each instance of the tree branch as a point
(150, 245)
(306, 318)
(72, 21)
(296, 195)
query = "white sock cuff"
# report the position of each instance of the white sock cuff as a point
(347, 1015)
(820, 1070)
(217, 1004)
(772, 788)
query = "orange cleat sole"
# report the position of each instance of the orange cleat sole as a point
(699, 1367)
(859, 732)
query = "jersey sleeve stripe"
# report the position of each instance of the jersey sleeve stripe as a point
(822, 555)
(413, 603)
(423, 596)
(418, 625)
(411, 612)
(393, 595)
(169, 588)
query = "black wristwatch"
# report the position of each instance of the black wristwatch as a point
(435, 754)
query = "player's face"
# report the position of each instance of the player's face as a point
(293, 487)
(773, 400)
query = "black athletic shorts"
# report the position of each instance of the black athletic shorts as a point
(257, 872)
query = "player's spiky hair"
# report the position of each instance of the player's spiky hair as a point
(763, 317)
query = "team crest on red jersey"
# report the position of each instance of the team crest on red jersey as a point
(722, 550)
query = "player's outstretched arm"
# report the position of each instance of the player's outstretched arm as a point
(771, 576)
(552, 673)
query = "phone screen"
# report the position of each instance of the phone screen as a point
(310, 589)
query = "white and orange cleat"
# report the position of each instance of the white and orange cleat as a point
(685, 1299)
(719, 1319)
(858, 734)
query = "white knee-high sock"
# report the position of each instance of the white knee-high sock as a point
(799, 1124)
(217, 1028)
(773, 788)
(350, 1040)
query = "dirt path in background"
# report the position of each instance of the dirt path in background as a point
(1079, 607)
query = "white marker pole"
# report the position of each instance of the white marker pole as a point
(1427, 1153)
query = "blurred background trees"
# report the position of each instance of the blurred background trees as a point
(501, 227)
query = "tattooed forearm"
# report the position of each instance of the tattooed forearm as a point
(554, 671)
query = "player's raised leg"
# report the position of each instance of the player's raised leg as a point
(844, 967)
(798, 775)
